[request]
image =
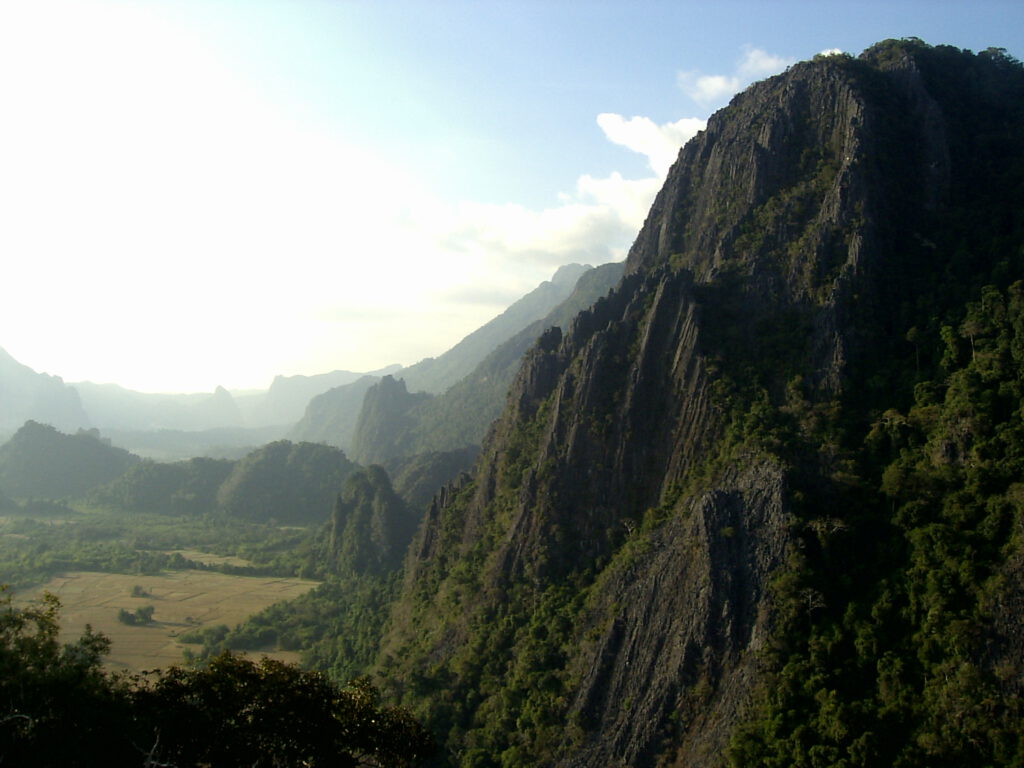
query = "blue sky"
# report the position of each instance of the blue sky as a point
(204, 193)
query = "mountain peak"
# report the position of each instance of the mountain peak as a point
(568, 274)
(676, 518)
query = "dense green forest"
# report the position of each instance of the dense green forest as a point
(891, 658)
(898, 641)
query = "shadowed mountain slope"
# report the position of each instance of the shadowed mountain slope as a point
(333, 417)
(404, 424)
(760, 505)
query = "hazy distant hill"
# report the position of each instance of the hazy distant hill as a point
(286, 400)
(396, 423)
(39, 461)
(170, 427)
(179, 444)
(175, 426)
(436, 374)
(331, 417)
(113, 407)
(25, 395)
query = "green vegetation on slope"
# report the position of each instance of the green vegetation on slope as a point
(359, 555)
(877, 362)
(290, 483)
(180, 488)
(887, 646)
(39, 461)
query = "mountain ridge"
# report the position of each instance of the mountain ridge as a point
(461, 416)
(334, 417)
(677, 505)
(32, 396)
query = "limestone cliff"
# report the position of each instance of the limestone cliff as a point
(677, 495)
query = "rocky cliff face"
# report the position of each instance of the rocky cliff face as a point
(384, 419)
(604, 590)
(395, 429)
(370, 527)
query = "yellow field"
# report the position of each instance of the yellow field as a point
(184, 600)
(205, 557)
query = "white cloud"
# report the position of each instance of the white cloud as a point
(596, 222)
(757, 63)
(831, 52)
(707, 89)
(576, 230)
(711, 91)
(630, 198)
(660, 143)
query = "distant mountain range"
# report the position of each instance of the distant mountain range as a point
(26, 395)
(396, 424)
(321, 408)
(466, 386)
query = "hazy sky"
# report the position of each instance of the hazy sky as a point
(214, 192)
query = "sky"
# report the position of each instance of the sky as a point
(197, 193)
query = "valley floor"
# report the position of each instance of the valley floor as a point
(183, 601)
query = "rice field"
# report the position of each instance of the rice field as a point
(183, 601)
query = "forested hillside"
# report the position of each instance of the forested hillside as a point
(40, 461)
(291, 483)
(762, 505)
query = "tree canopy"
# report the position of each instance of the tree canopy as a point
(58, 706)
